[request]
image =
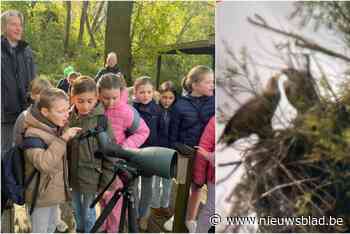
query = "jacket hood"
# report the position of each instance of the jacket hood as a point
(117, 105)
(97, 110)
(123, 100)
(192, 98)
(150, 104)
(33, 118)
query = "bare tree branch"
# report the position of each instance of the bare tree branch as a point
(185, 25)
(296, 182)
(136, 19)
(341, 12)
(92, 39)
(97, 16)
(99, 23)
(300, 41)
(68, 22)
(82, 21)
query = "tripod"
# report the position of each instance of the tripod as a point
(129, 174)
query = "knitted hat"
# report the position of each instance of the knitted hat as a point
(67, 71)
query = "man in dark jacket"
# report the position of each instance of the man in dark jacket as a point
(17, 71)
(111, 66)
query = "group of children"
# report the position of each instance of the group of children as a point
(70, 171)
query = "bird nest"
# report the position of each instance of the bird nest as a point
(303, 171)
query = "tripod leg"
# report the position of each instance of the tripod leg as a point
(122, 215)
(106, 212)
(133, 225)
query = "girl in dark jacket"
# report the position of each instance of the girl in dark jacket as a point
(192, 112)
(151, 113)
(160, 199)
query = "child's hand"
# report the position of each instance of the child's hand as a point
(207, 155)
(70, 133)
(202, 151)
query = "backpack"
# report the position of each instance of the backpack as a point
(102, 122)
(13, 182)
(135, 122)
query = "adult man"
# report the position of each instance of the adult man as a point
(111, 66)
(17, 71)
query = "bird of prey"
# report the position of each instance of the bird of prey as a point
(255, 116)
(300, 89)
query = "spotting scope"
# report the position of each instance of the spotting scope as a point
(159, 161)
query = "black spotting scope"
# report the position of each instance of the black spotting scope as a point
(159, 161)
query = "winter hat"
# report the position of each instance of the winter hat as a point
(67, 71)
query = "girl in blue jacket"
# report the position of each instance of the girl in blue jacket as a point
(151, 113)
(161, 194)
(192, 112)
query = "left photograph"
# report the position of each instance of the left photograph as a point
(107, 116)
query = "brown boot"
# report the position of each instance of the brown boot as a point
(158, 212)
(143, 224)
(166, 211)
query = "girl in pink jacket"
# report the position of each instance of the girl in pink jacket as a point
(129, 130)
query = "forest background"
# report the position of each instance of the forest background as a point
(63, 33)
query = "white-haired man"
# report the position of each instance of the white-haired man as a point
(17, 71)
(111, 66)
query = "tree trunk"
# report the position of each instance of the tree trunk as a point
(117, 37)
(82, 21)
(68, 22)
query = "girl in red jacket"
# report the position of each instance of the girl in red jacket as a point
(203, 173)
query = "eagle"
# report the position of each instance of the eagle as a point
(255, 116)
(300, 89)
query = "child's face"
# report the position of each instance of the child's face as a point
(72, 78)
(109, 97)
(144, 93)
(84, 102)
(58, 113)
(166, 99)
(205, 87)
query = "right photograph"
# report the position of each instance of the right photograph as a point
(282, 117)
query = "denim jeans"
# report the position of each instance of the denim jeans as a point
(85, 217)
(161, 197)
(44, 219)
(7, 217)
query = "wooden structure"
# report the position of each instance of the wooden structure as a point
(184, 179)
(202, 47)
